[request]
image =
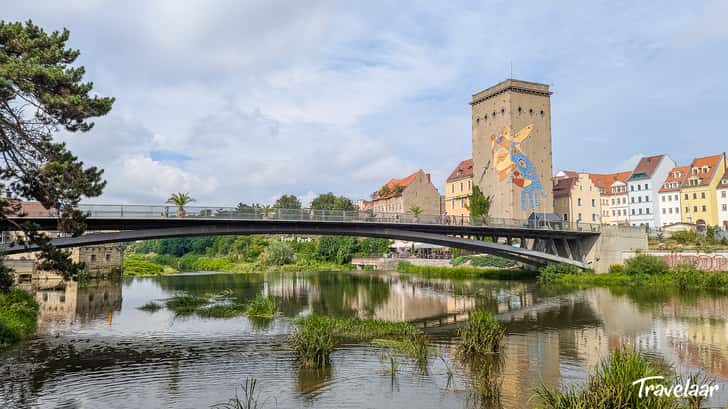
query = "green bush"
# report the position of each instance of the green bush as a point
(465, 272)
(6, 280)
(645, 264)
(483, 261)
(616, 269)
(135, 265)
(685, 236)
(18, 316)
(278, 253)
(482, 334)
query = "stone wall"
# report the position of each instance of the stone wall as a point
(717, 261)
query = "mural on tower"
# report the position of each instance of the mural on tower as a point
(510, 161)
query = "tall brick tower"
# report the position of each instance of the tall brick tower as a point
(512, 148)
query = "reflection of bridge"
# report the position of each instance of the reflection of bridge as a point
(540, 243)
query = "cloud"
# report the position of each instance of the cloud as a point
(238, 101)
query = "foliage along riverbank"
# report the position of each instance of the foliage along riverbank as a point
(466, 272)
(247, 254)
(641, 271)
(18, 317)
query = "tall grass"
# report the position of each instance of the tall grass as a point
(314, 341)
(250, 398)
(610, 386)
(18, 316)
(261, 307)
(482, 334)
(317, 336)
(221, 311)
(151, 307)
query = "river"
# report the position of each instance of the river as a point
(96, 349)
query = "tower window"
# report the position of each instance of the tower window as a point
(542, 112)
(493, 113)
(519, 110)
(477, 120)
(503, 110)
(485, 117)
(530, 110)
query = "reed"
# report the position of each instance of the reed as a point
(221, 311)
(250, 398)
(185, 304)
(482, 334)
(151, 307)
(262, 307)
(610, 386)
(314, 341)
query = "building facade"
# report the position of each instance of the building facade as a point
(699, 190)
(400, 195)
(512, 156)
(458, 188)
(669, 202)
(613, 192)
(643, 189)
(722, 196)
(576, 198)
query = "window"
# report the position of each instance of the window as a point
(640, 211)
(647, 186)
(704, 209)
(723, 194)
(631, 187)
(663, 198)
(632, 199)
(566, 217)
(452, 188)
(469, 185)
(695, 195)
(687, 209)
(579, 219)
(108, 257)
(452, 204)
(594, 202)
(647, 211)
(724, 207)
(639, 187)
(686, 196)
(702, 195)
(677, 210)
(594, 217)
(639, 199)
(671, 210)
(93, 257)
(695, 209)
(647, 199)
(664, 211)
(461, 186)
(633, 212)
(462, 203)
(578, 202)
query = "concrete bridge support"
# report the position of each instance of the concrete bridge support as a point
(608, 247)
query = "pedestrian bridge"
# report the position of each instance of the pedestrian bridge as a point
(537, 243)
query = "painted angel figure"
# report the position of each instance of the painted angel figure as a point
(509, 160)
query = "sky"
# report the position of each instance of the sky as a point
(238, 101)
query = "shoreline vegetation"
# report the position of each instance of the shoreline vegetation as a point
(248, 254)
(215, 306)
(18, 317)
(642, 271)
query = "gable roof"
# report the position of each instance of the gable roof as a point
(463, 170)
(394, 183)
(646, 167)
(563, 185)
(672, 178)
(704, 179)
(605, 181)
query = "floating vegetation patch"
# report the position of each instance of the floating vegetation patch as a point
(261, 307)
(151, 307)
(482, 334)
(221, 311)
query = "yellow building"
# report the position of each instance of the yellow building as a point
(699, 190)
(576, 198)
(458, 188)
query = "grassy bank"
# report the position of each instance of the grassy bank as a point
(466, 272)
(18, 317)
(155, 265)
(317, 336)
(640, 271)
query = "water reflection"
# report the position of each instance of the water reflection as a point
(95, 349)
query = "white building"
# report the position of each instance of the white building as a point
(669, 203)
(644, 186)
(723, 202)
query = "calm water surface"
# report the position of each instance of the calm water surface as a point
(95, 349)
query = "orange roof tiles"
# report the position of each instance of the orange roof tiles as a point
(605, 181)
(462, 170)
(673, 181)
(646, 167)
(704, 179)
(393, 183)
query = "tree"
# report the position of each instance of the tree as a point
(329, 201)
(479, 205)
(324, 201)
(180, 199)
(279, 253)
(416, 211)
(41, 93)
(287, 202)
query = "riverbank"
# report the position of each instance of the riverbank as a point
(136, 265)
(467, 272)
(640, 271)
(18, 317)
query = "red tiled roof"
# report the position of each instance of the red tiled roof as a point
(672, 178)
(462, 170)
(563, 185)
(704, 179)
(31, 209)
(647, 166)
(393, 183)
(605, 181)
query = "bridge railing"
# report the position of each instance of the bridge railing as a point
(258, 213)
